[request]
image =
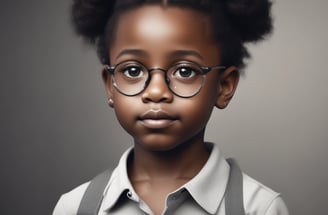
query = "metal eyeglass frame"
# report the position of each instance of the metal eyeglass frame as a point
(204, 70)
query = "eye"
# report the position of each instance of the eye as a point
(133, 71)
(185, 72)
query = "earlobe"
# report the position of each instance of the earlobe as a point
(228, 84)
(106, 76)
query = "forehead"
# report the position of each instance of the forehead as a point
(158, 28)
(159, 19)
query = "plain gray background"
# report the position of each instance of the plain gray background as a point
(57, 132)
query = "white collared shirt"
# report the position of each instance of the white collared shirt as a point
(204, 194)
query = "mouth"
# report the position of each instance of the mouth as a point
(157, 119)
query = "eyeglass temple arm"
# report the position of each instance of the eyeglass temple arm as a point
(207, 69)
(109, 69)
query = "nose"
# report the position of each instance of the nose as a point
(157, 89)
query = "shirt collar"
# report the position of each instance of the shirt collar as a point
(119, 183)
(208, 187)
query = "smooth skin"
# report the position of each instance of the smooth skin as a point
(167, 153)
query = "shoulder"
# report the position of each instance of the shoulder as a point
(68, 203)
(260, 199)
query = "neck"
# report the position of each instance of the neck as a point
(184, 162)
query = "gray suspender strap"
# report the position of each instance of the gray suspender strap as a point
(93, 196)
(234, 201)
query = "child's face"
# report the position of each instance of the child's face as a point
(157, 119)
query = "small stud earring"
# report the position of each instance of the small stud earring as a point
(110, 102)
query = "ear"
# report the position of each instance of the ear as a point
(107, 79)
(228, 84)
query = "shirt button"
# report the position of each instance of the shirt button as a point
(129, 194)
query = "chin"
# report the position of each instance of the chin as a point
(158, 143)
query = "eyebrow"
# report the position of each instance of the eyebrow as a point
(138, 52)
(182, 53)
(174, 54)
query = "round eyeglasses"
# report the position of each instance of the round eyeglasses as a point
(184, 79)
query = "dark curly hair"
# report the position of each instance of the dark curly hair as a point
(235, 22)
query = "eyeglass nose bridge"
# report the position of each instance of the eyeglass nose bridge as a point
(167, 80)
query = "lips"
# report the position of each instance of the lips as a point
(157, 119)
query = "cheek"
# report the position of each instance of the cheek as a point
(124, 113)
(196, 112)
(200, 107)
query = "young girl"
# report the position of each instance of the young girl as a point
(167, 64)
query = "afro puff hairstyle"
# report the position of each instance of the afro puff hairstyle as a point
(235, 22)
